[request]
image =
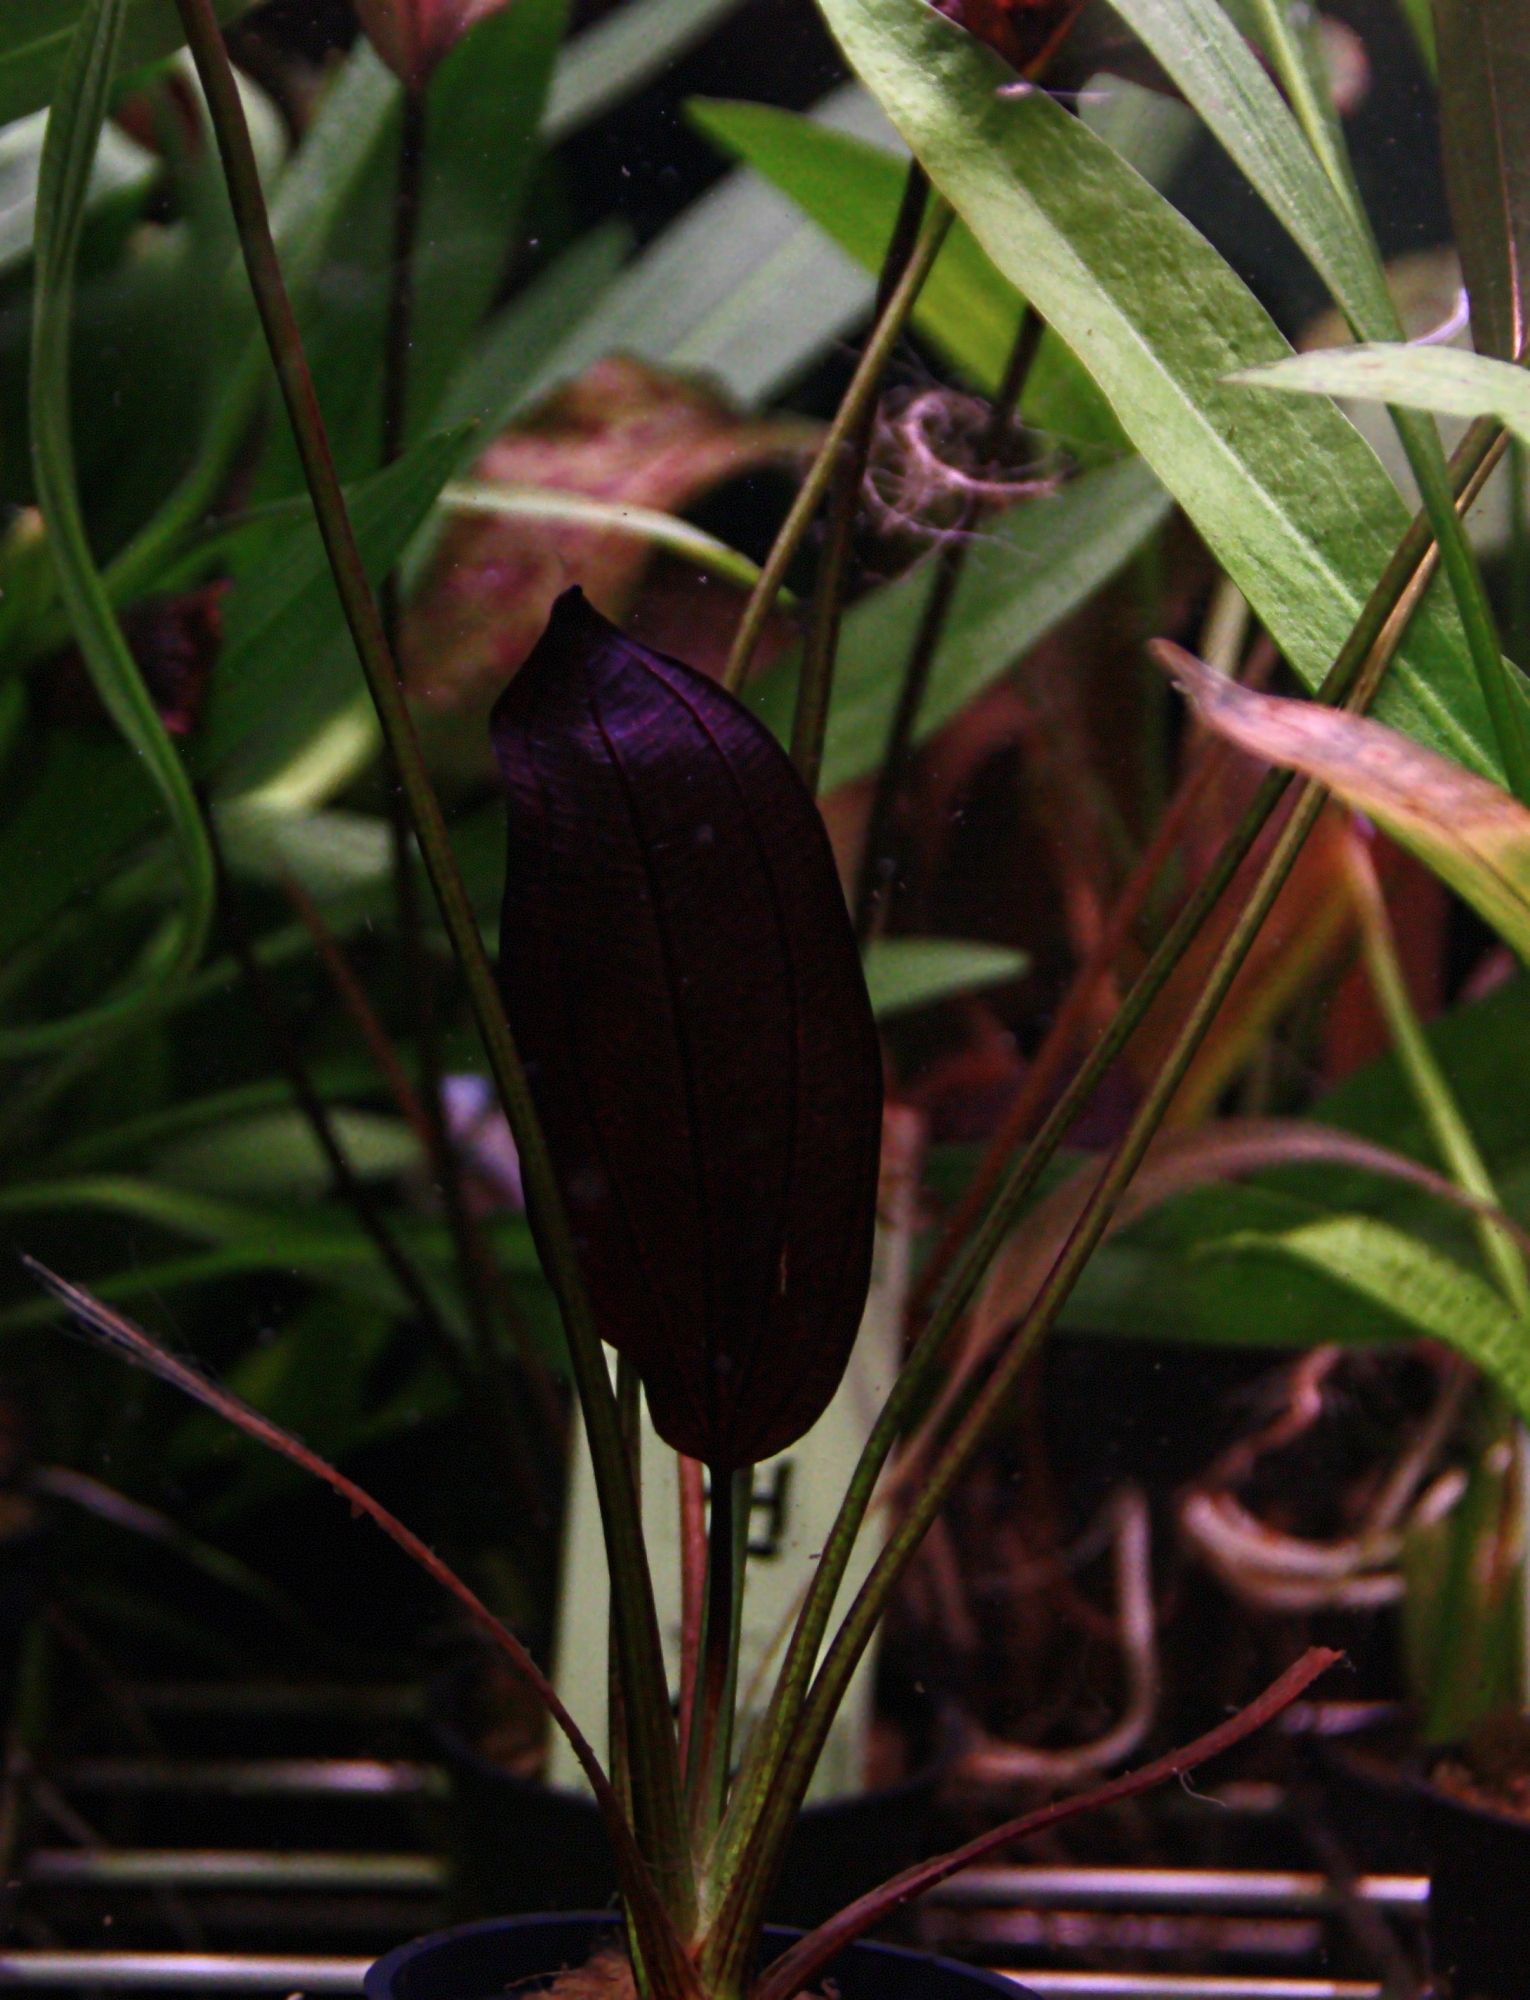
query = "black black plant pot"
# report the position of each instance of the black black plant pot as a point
(523, 1846)
(485, 1961)
(1477, 1860)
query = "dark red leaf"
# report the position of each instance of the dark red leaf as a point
(1024, 32)
(680, 972)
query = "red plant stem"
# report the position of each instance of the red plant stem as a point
(130, 1342)
(693, 1583)
(353, 997)
(806, 1959)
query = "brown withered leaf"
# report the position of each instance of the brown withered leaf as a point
(621, 432)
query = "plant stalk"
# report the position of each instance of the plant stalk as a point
(873, 891)
(660, 1830)
(820, 638)
(751, 1844)
(862, 391)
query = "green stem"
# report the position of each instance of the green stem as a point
(1519, 557)
(744, 1847)
(820, 638)
(655, 1766)
(861, 392)
(1452, 1136)
(874, 888)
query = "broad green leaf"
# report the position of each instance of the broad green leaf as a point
(286, 667)
(1296, 508)
(905, 973)
(1484, 73)
(288, 663)
(1159, 1280)
(1470, 832)
(966, 308)
(276, 1154)
(491, 382)
(1446, 379)
(319, 1377)
(484, 106)
(1436, 1298)
(1029, 569)
(34, 35)
(328, 853)
(740, 288)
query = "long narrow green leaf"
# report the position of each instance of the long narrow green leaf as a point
(907, 972)
(1437, 1298)
(969, 311)
(1445, 379)
(1299, 514)
(74, 129)
(1224, 81)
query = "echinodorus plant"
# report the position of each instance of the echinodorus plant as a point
(679, 970)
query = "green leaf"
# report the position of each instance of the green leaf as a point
(1484, 72)
(1470, 832)
(1225, 82)
(491, 382)
(69, 153)
(1445, 379)
(1435, 1297)
(739, 288)
(276, 1154)
(1030, 568)
(966, 308)
(905, 973)
(122, 170)
(288, 663)
(34, 37)
(625, 49)
(484, 107)
(1296, 508)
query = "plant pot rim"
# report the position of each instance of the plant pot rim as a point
(381, 1976)
(1410, 1780)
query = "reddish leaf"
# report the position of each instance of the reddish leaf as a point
(621, 431)
(679, 969)
(1024, 32)
(412, 36)
(175, 641)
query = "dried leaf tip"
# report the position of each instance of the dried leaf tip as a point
(680, 972)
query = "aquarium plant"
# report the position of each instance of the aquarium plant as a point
(679, 1031)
